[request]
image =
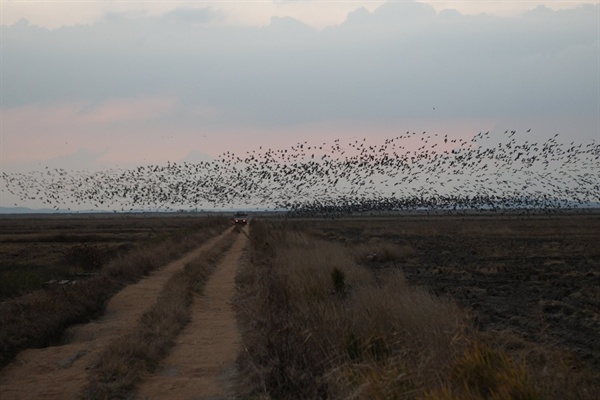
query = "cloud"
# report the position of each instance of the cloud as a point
(403, 12)
(35, 118)
(196, 157)
(45, 131)
(118, 110)
(83, 157)
(80, 159)
(194, 16)
(395, 63)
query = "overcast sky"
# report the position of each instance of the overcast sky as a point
(92, 84)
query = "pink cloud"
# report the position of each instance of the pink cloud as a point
(130, 131)
(36, 131)
(128, 109)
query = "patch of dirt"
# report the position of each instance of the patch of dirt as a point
(554, 304)
(202, 363)
(60, 372)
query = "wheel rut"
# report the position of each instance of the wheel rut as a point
(202, 363)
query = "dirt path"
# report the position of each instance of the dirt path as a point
(60, 372)
(202, 364)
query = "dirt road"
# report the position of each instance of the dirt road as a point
(202, 364)
(60, 372)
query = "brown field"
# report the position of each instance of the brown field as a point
(537, 277)
(407, 307)
(35, 249)
(438, 307)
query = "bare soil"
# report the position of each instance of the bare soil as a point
(542, 297)
(60, 372)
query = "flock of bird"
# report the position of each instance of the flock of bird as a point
(412, 171)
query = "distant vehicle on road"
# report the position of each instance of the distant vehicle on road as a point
(240, 218)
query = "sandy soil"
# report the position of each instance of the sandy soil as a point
(60, 372)
(202, 364)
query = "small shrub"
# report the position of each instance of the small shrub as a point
(376, 381)
(338, 279)
(354, 347)
(378, 348)
(261, 239)
(382, 253)
(17, 281)
(87, 257)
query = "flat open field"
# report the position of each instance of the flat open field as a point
(537, 277)
(35, 249)
(529, 284)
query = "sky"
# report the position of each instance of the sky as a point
(95, 84)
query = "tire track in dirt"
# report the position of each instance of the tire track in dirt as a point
(202, 363)
(60, 372)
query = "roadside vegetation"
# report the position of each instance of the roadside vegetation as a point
(39, 318)
(337, 320)
(126, 360)
(36, 250)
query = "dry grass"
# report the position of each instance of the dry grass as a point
(558, 375)
(127, 359)
(320, 322)
(38, 248)
(483, 373)
(39, 318)
(318, 325)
